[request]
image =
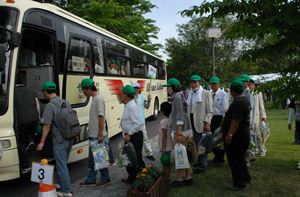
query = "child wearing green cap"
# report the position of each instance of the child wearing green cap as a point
(165, 140)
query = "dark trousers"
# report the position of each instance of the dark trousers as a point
(237, 162)
(297, 132)
(137, 141)
(25, 133)
(215, 123)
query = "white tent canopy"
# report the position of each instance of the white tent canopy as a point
(263, 78)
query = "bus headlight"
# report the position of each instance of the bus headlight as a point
(5, 144)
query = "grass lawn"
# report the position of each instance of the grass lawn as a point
(273, 175)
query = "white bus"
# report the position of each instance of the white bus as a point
(41, 42)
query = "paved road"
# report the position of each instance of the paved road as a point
(24, 188)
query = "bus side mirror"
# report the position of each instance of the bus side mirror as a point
(2, 57)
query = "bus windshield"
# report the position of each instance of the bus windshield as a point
(8, 18)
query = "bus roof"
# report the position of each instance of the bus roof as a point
(22, 6)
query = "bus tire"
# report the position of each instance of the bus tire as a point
(155, 110)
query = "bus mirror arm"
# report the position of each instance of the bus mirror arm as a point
(15, 39)
(2, 57)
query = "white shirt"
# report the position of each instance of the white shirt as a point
(194, 97)
(220, 102)
(130, 122)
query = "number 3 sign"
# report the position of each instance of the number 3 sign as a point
(42, 173)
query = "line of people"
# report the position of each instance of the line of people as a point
(203, 112)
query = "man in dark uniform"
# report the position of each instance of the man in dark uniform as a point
(236, 134)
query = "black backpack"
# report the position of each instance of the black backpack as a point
(69, 123)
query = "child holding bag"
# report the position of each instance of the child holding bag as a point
(165, 140)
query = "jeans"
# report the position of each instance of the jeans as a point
(61, 153)
(92, 173)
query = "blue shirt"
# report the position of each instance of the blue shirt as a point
(141, 101)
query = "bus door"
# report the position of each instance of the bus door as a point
(35, 66)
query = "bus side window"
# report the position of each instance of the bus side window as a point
(99, 67)
(79, 58)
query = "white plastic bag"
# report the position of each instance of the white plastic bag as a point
(265, 131)
(100, 154)
(181, 158)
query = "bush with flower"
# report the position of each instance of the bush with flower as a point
(146, 178)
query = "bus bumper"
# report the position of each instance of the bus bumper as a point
(9, 165)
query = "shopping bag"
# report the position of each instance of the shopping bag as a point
(100, 154)
(218, 142)
(131, 154)
(127, 155)
(181, 159)
(205, 144)
(265, 130)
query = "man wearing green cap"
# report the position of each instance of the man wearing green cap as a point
(61, 146)
(220, 106)
(200, 111)
(97, 132)
(236, 134)
(132, 129)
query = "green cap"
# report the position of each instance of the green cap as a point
(236, 82)
(251, 80)
(165, 159)
(245, 78)
(214, 79)
(49, 85)
(195, 78)
(87, 82)
(172, 81)
(128, 89)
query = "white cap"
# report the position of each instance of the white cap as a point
(136, 85)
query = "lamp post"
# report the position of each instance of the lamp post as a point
(213, 33)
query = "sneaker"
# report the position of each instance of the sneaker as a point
(234, 188)
(62, 194)
(88, 184)
(127, 181)
(103, 183)
(198, 170)
(57, 187)
(25, 170)
(188, 181)
(150, 157)
(177, 184)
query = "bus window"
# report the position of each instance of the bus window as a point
(138, 69)
(161, 70)
(79, 58)
(99, 66)
(117, 65)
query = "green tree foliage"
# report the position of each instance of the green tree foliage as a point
(191, 52)
(125, 18)
(274, 27)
